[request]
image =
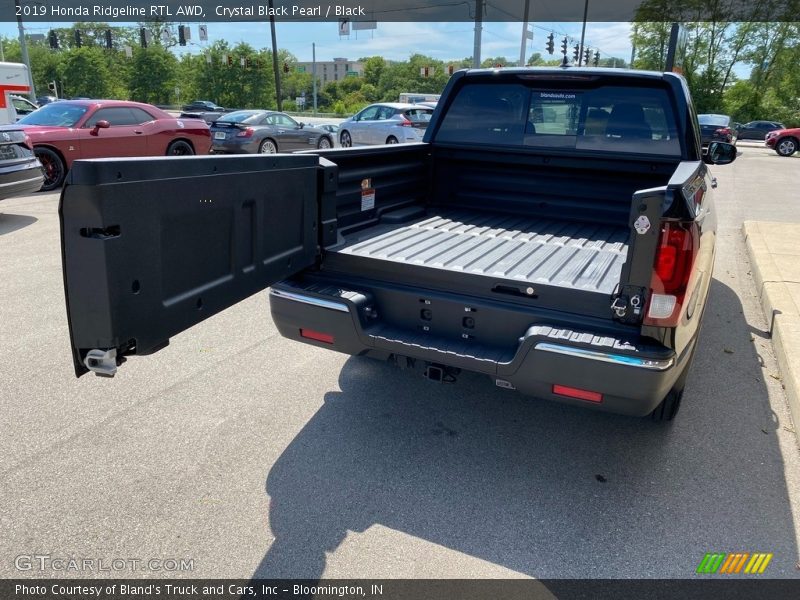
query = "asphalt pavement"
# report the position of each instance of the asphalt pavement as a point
(248, 454)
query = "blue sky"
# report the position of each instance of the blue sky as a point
(399, 40)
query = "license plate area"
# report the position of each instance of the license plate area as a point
(220, 135)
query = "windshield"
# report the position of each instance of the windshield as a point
(718, 120)
(241, 116)
(56, 114)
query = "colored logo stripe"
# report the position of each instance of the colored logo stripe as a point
(734, 562)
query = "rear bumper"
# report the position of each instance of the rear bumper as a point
(632, 377)
(20, 179)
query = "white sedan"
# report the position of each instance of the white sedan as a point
(385, 123)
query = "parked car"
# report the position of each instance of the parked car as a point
(264, 132)
(65, 131)
(385, 123)
(203, 106)
(784, 141)
(23, 106)
(757, 130)
(42, 100)
(573, 265)
(20, 170)
(331, 128)
(716, 128)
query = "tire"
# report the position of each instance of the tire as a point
(786, 146)
(671, 403)
(324, 143)
(53, 168)
(180, 148)
(268, 146)
(345, 141)
(392, 140)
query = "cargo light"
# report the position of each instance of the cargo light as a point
(317, 336)
(571, 392)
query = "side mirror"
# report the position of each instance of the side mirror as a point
(719, 153)
(301, 124)
(101, 124)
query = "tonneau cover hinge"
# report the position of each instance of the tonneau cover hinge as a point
(102, 362)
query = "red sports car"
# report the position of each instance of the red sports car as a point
(784, 141)
(64, 131)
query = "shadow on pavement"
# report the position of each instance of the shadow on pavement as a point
(543, 489)
(10, 223)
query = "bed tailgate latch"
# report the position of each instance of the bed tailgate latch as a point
(628, 304)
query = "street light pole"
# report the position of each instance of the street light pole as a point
(314, 73)
(583, 30)
(275, 57)
(476, 49)
(524, 44)
(24, 49)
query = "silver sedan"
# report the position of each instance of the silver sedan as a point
(385, 123)
(264, 132)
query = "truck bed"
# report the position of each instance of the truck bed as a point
(522, 250)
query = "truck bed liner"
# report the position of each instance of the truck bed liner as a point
(542, 251)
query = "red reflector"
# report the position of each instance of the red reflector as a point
(571, 392)
(316, 335)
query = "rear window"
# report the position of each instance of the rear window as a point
(608, 118)
(718, 120)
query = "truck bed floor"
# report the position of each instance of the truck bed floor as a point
(547, 252)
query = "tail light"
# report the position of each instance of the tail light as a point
(248, 132)
(406, 122)
(677, 248)
(27, 142)
(723, 131)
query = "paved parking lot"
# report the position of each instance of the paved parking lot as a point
(253, 455)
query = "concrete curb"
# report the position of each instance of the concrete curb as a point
(780, 308)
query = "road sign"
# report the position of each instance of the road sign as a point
(203, 33)
(344, 27)
(301, 68)
(352, 74)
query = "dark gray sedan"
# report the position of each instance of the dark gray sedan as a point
(264, 132)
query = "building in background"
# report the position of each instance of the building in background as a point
(333, 70)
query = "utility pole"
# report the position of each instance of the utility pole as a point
(583, 29)
(524, 44)
(275, 57)
(476, 49)
(314, 73)
(24, 49)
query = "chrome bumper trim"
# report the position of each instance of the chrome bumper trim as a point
(310, 300)
(619, 359)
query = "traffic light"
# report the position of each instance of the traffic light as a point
(78, 39)
(52, 86)
(550, 46)
(109, 45)
(143, 37)
(450, 69)
(586, 54)
(596, 58)
(576, 52)
(181, 35)
(286, 67)
(53, 40)
(564, 47)
(230, 60)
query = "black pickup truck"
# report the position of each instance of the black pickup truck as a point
(555, 231)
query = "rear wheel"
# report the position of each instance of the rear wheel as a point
(786, 146)
(53, 167)
(671, 403)
(392, 140)
(180, 148)
(267, 147)
(344, 139)
(323, 143)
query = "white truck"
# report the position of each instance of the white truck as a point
(14, 81)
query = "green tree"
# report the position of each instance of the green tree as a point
(86, 73)
(153, 75)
